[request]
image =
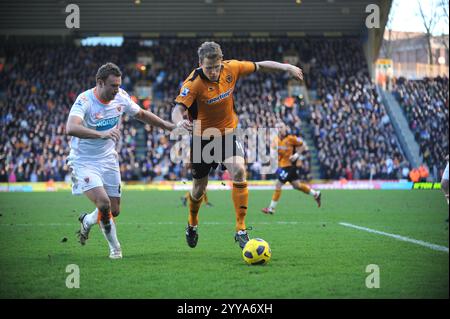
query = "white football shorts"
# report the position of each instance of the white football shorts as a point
(102, 173)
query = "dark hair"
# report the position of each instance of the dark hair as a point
(209, 50)
(106, 70)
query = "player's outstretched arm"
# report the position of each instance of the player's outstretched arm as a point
(272, 66)
(154, 120)
(74, 127)
(178, 113)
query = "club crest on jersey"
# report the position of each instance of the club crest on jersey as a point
(86, 179)
(184, 92)
(229, 78)
(119, 108)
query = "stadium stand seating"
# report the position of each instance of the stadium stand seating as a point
(425, 103)
(351, 128)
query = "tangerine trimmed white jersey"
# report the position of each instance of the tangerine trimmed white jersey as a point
(100, 117)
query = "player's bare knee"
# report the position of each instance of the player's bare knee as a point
(104, 205)
(197, 193)
(115, 212)
(199, 187)
(239, 174)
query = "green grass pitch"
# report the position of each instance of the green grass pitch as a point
(313, 256)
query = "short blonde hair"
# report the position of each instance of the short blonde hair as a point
(209, 50)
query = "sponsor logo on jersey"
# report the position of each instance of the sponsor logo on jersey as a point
(184, 92)
(219, 97)
(107, 124)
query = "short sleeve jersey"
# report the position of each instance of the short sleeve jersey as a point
(212, 103)
(286, 148)
(99, 116)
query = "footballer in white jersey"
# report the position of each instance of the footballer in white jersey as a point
(100, 117)
(93, 123)
(94, 162)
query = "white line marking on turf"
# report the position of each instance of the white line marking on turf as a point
(398, 237)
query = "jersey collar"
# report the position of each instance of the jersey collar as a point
(99, 99)
(204, 77)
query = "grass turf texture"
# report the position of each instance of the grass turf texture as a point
(312, 255)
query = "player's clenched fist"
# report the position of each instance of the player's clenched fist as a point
(187, 125)
(113, 134)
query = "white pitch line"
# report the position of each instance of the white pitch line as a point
(398, 237)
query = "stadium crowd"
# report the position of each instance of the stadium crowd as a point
(425, 103)
(39, 83)
(352, 130)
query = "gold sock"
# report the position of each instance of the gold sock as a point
(194, 206)
(276, 195)
(240, 200)
(305, 188)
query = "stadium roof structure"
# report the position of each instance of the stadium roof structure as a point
(152, 18)
(44, 19)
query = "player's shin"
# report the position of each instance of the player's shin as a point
(92, 218)
(240, 200)
(275, 198)
(111, 235)
(194, 206)
(304, 188)
(445, 187)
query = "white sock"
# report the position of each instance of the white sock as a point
(273, 205)
(111, 237)
(91, 219)
(313, 192)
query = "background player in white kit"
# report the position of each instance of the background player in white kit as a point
(444, 181)
(93, 124)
